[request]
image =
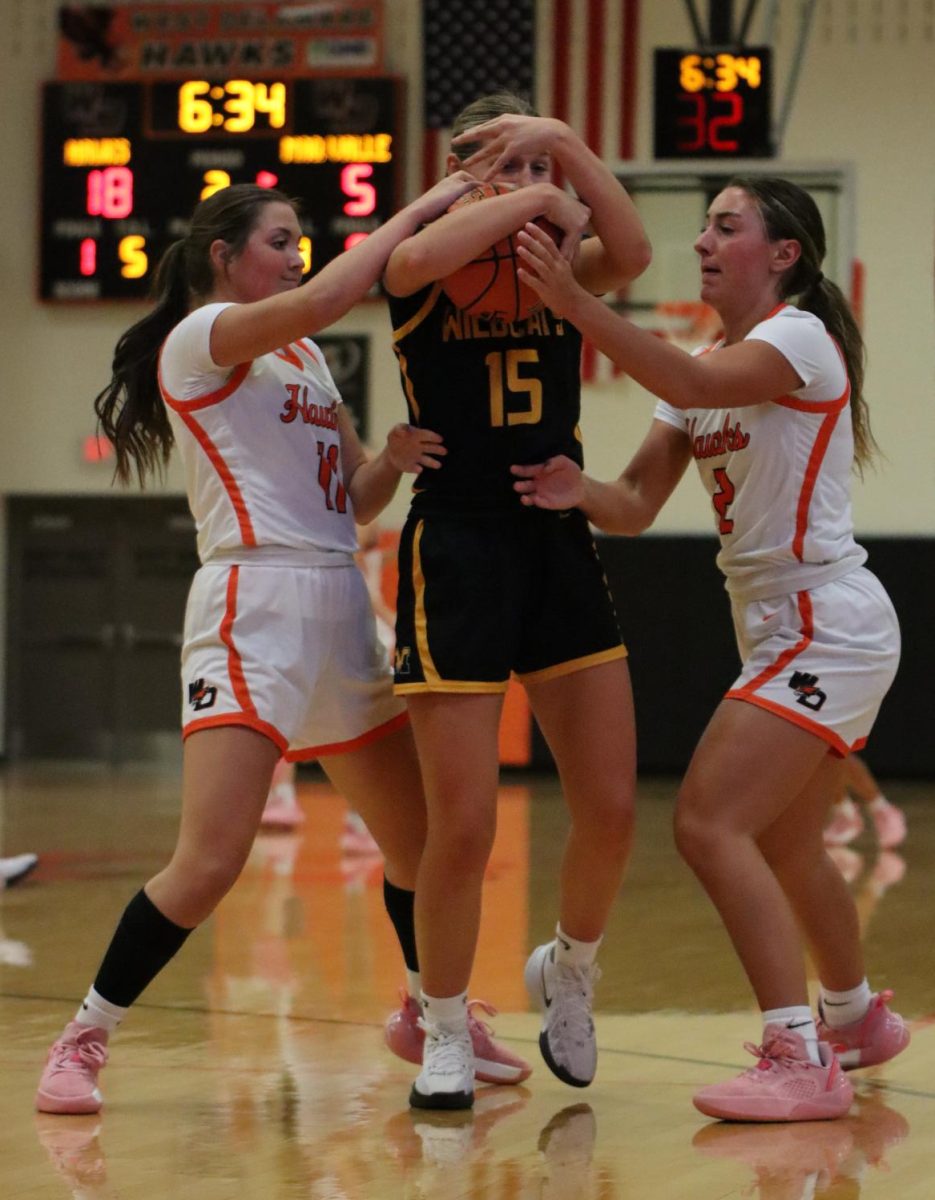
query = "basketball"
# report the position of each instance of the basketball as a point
(489, 285)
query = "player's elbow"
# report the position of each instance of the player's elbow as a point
(639, 257)
(626, 264)
(409, 268)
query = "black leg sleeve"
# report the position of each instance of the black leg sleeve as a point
(143, 942)
(399, 907)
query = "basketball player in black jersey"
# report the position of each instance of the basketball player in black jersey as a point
(489, 588)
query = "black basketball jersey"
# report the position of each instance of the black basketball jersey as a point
(498, 393)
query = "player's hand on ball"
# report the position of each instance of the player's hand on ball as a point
(546, 270)
(410, 448)
(556, 483)
(571, 217)
(439, 198)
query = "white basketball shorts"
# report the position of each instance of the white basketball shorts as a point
(290, 651)
(823, 659)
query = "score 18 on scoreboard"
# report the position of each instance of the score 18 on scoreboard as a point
(145, 123)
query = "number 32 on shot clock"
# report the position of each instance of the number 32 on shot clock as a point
(712, 103)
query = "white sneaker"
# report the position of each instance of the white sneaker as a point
(447, 1076)
(564, 995)
(12, 870)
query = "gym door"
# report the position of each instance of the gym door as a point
(96, 597)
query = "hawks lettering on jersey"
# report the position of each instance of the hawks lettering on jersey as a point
(778, 474)
(261, 443)
(726, 440)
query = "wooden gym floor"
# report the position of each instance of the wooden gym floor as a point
(254, 1069)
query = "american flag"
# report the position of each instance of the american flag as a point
(574, 59)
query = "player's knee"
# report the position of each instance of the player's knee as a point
(695, 837)
(463, 845)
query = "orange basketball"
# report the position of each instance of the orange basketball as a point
(489, 285)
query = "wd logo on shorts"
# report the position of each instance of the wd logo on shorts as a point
(402, 660)
(199, 696)
(808, 693)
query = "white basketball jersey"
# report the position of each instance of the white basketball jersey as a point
(779, 473)
(259, 443)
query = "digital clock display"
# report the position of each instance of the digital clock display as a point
(207, 106)
(124, 164)
(713, 103)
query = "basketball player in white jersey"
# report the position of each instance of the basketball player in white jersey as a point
(280, 653)
(774, 417)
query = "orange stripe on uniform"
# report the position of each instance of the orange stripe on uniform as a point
(837, 745)
(372, 735)
(185, 408)
(815, 459)
(805, 614)
(234, 663)
(235, 495)
(236, 720)
(235, 379)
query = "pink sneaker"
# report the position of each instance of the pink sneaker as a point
(876, 1038)
(69, 1081)
(888, 870)
(849, 862)
(785, 1085)
(845, 824)
(282, 809)
(493, 1063)
(356, 838)
(889, 823)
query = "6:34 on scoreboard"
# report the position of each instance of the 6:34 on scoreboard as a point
(124, 164)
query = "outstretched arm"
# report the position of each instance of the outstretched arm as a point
(627, 505)
(460, 236)
(742, 374)
(621, 250)
(245, 331)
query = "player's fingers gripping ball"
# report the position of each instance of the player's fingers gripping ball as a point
(489, 284)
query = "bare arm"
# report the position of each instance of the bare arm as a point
(742, 374)
(460, 236)
(371, 481)
(244, 331)
(627, 505)
(621, 250)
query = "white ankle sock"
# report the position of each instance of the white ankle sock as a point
(798, 1018)
(844, 1008)
(98, 1013)
(450, 1011)
(414, 984)
(573, 953)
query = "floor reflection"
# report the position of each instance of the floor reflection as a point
(254, 1068)
(812, 1160)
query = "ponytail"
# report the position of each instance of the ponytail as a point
(130, 411)
(788, 211)
(826, 300)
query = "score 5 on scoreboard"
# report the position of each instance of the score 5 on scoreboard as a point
(124, 164)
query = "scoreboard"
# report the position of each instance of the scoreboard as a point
(712, 103)
(124, 164)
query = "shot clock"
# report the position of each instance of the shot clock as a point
(124, 163)
(713, 103)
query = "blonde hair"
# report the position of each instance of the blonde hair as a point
(486, 108)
